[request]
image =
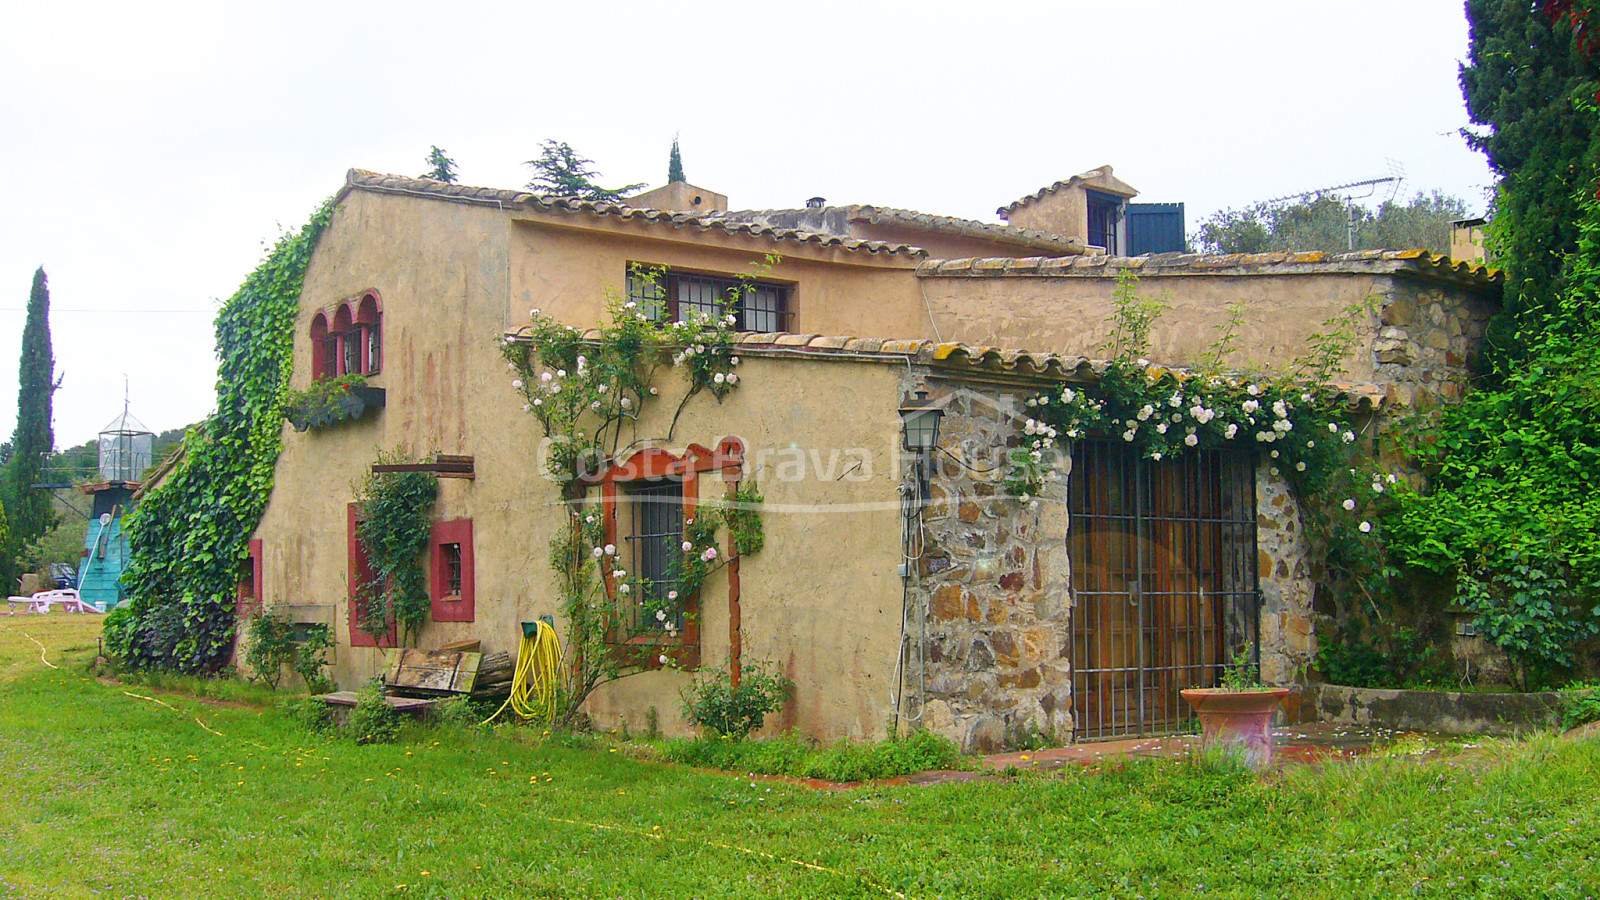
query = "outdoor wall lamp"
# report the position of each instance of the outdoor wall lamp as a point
(920, 421)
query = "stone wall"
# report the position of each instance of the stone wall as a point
(1285, 571)
(992, 594)
(1424, 343)
(989, 620)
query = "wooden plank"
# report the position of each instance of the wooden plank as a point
(434, 672)
(464, 646)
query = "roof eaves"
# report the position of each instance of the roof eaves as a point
(1417, 263)
(956, 357)
(359, 179)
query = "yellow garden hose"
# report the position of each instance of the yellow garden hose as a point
(537, 676)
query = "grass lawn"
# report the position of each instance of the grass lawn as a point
(105, 794)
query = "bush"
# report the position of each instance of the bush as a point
(459, 714)
(711, 701)
(1580, 706)
(312, 715)
(372, 720)
(275, 644)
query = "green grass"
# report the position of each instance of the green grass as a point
(110, 795)
(843, 761)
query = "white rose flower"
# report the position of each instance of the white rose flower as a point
(687, 546)
(1333, 427)
(1299, 467)
(1349, 505)
(1191, 439)
(611, 549)
(599, 552)
(1366, 527)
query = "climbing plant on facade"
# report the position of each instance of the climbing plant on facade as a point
(395, 511)
(189, 535)
(584, 389)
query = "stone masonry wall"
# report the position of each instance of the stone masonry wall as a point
(1425, 339)
(989, 641)
(1285, 571)
(993, 586)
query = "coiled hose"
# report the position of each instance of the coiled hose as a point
(537, 677)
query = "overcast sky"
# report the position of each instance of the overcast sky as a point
(153, 150)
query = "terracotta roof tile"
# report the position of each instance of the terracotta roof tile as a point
(837, 220)
(958, 356)
(1420, 263)
(359, 179)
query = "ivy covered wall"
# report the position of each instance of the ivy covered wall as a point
(190, 534)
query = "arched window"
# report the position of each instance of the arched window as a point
(353, 343)
(369, 328)
(323, 350)
(349, 351)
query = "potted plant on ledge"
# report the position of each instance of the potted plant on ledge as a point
(331, 400)
(1238, 715)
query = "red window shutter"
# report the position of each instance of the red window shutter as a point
(360, 572)
(448, 606)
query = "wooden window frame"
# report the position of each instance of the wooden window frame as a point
(654, 465)
(358, 571)
(670, 284)
(447, 606)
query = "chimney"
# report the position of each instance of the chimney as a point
(816, 203)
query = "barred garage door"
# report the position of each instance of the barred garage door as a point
(1164, 576)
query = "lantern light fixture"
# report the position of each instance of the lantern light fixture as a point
(920, 424)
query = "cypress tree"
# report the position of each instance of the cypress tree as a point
(29, 507)
(1529, 76)
(675, 163)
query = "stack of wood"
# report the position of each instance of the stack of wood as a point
(494, 675)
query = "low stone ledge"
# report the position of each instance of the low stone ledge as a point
(1438, 712)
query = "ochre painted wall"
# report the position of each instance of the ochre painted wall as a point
(831, 627)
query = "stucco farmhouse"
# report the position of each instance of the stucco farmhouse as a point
(896, 586)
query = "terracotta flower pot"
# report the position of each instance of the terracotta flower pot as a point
(1239, 720)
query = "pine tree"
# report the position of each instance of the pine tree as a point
(441, 167)
(675, 164)
(561, 172)
(29, 507)
(1530, 71)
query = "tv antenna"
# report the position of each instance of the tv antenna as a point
(1395, 178)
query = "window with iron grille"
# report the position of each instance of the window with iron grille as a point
(1104, 211)
(668, 296)
(652, 521)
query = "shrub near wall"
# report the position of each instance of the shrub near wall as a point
(188, 536)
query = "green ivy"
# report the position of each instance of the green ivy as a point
(395, 524)
(189, 535)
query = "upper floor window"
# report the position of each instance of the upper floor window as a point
(1105, 212)
(351, 343)
(668, 296)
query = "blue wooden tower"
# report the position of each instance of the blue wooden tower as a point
(125, 450)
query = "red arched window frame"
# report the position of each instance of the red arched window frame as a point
(369, 333)
(656, 465)
(323, 354)
(347, 355)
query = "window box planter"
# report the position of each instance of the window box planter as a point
(331, 401)
(1238, 720)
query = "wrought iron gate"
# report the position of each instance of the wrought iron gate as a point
(1164, 576)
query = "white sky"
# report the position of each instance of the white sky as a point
(153, 150)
